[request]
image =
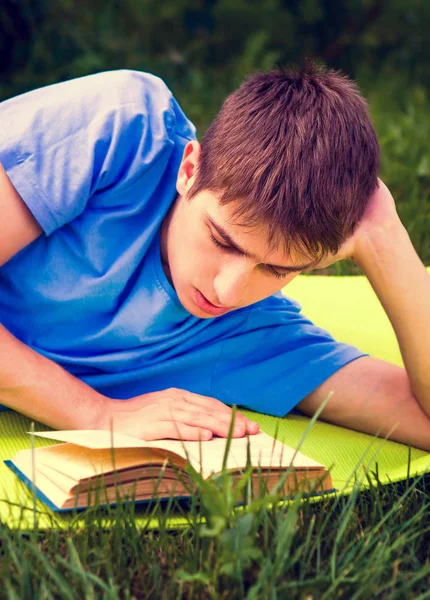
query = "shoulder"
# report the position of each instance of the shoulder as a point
(76, 103)
(115, 88)
(105, 106)
(109, 87)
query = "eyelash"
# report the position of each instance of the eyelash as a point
(230, 249)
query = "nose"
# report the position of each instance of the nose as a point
(231, 284)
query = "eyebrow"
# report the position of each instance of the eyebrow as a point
(228, 240)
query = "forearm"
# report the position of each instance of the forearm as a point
(402, 285)
(41, 389)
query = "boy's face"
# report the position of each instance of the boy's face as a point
(211, 280)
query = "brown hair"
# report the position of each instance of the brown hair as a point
(298, 151)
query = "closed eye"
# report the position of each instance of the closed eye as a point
(275, 273)
(232, 250)
(223, 246)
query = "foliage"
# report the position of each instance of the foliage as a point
(48, 41)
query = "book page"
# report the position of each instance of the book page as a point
(93, 438)
(42, 483)
(264, 450)
(102, 440)
(74, 463)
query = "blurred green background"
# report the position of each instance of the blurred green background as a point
(204, 48)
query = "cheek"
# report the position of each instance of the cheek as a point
(208, 261)
(207, 255)
(197, 258)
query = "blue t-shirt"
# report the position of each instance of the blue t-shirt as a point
(95, 159)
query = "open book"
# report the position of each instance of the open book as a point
(70, 475)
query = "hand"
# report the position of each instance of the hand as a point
(175, 414)
(380, 218)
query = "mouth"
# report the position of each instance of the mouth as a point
(205, 305)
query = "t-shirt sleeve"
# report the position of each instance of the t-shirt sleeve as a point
(276, 359)
(66, 143)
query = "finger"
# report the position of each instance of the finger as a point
(205, 420)
(173, 396)
(226, 416)
(206, 401)
(200, 414)
(180, 431)
(215, 405)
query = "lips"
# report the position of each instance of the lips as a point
(216, 305)
(204, 304)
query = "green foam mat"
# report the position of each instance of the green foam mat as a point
(347, 453)
(349, 309)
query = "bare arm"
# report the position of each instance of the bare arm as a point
(41, 389)
(402, 285)
(375, 397)
(372, 395)
(384, 251)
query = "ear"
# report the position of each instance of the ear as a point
(188, 168)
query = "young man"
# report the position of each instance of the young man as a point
(141, 271)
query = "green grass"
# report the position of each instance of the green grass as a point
(370, 544)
